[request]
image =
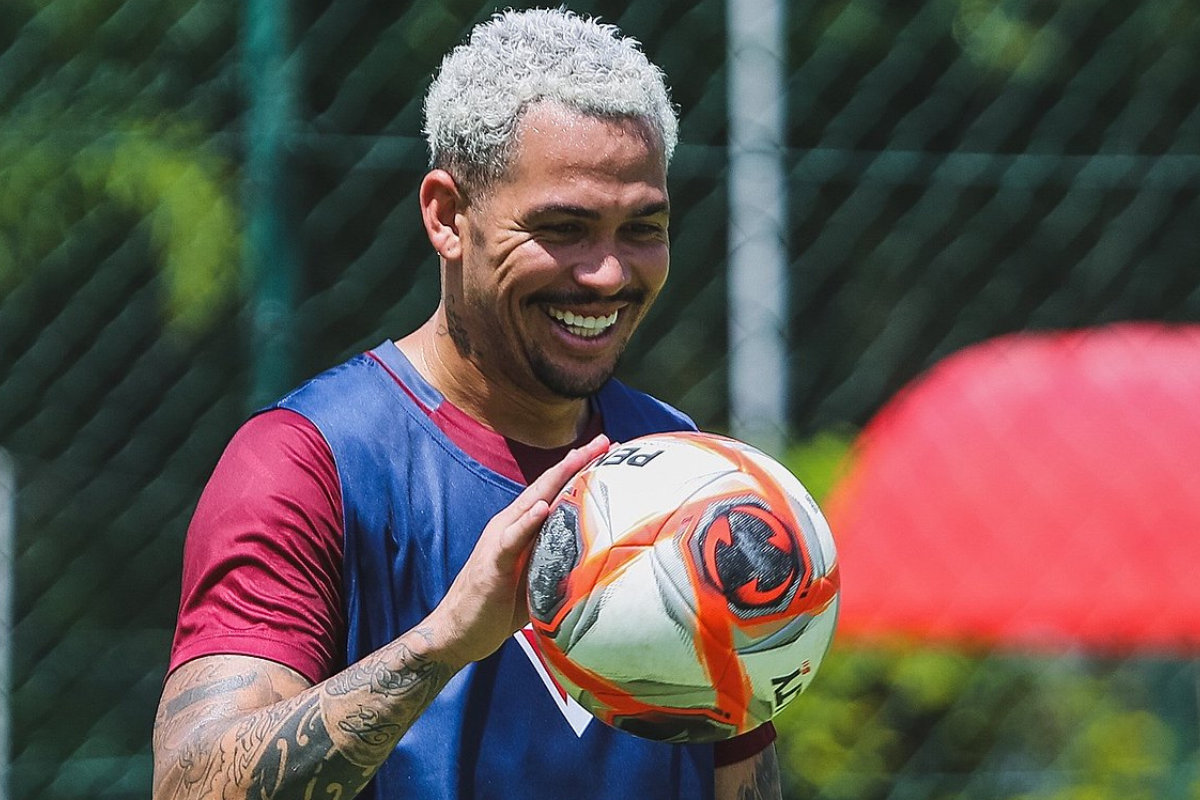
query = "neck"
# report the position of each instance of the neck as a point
(541, 421)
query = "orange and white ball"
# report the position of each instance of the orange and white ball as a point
(684, 587)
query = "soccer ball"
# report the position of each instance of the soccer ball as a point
(684, 587)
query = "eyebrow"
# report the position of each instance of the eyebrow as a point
(566, 209)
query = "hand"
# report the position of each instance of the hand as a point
(486, 603)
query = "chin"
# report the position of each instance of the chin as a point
(572, 385)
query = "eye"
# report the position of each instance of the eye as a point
(560, 230)
(644, 230)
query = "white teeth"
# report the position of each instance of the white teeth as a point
(581, 325)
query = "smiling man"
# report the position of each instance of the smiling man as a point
(353, 587)
(546, 273)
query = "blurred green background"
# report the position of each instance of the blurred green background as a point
(202, 202)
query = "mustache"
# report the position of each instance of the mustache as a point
(629, 295)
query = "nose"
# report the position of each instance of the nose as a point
(604, 271)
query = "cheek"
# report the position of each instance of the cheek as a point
(655, 271)
(474, 297)
(664, 269)
(527, 271)
(497, 292)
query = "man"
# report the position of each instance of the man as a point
(379, 517)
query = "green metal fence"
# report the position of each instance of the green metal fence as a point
(201, 202)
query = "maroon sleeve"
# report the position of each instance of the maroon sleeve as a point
(262, 563)
(739, 748)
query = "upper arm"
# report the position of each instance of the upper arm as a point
(206, 694)
(262, 566)
(754, 778)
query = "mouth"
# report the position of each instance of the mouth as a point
(585, 327)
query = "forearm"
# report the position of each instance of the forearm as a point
(224, 734)
(756, 778)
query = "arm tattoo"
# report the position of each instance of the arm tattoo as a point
(415, 684)
(369, 727)
(764, 785)
(378, 677)
(323, 742)
(194, 695)
(298, 744)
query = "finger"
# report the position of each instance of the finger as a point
(550, 482)
(517, 535)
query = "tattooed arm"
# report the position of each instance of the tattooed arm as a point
(233, 727)
(756, 778)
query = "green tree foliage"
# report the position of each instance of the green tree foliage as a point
(914, 720)
(161, 180)
(100, 132)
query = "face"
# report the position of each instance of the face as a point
(563, 256)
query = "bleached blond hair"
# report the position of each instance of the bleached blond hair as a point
(519, 59)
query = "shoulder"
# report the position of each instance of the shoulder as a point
(358, 407)
(274, 450)
(340, 385)
(279, 431)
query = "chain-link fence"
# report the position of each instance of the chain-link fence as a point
(957, 169)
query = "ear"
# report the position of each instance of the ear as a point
(441, 204)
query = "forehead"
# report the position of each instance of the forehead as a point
(555, 145)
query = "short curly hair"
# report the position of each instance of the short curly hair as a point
(518, 59)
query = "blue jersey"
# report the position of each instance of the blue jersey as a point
(414, 506)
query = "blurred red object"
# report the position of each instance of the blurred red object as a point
(1038, 490)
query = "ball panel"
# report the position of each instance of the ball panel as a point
(649, 479)
(613, 702)
(780, 674)
(634, 636)
(553, 560)
(817, 535)
(744, 550)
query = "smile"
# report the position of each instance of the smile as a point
(587, 327)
